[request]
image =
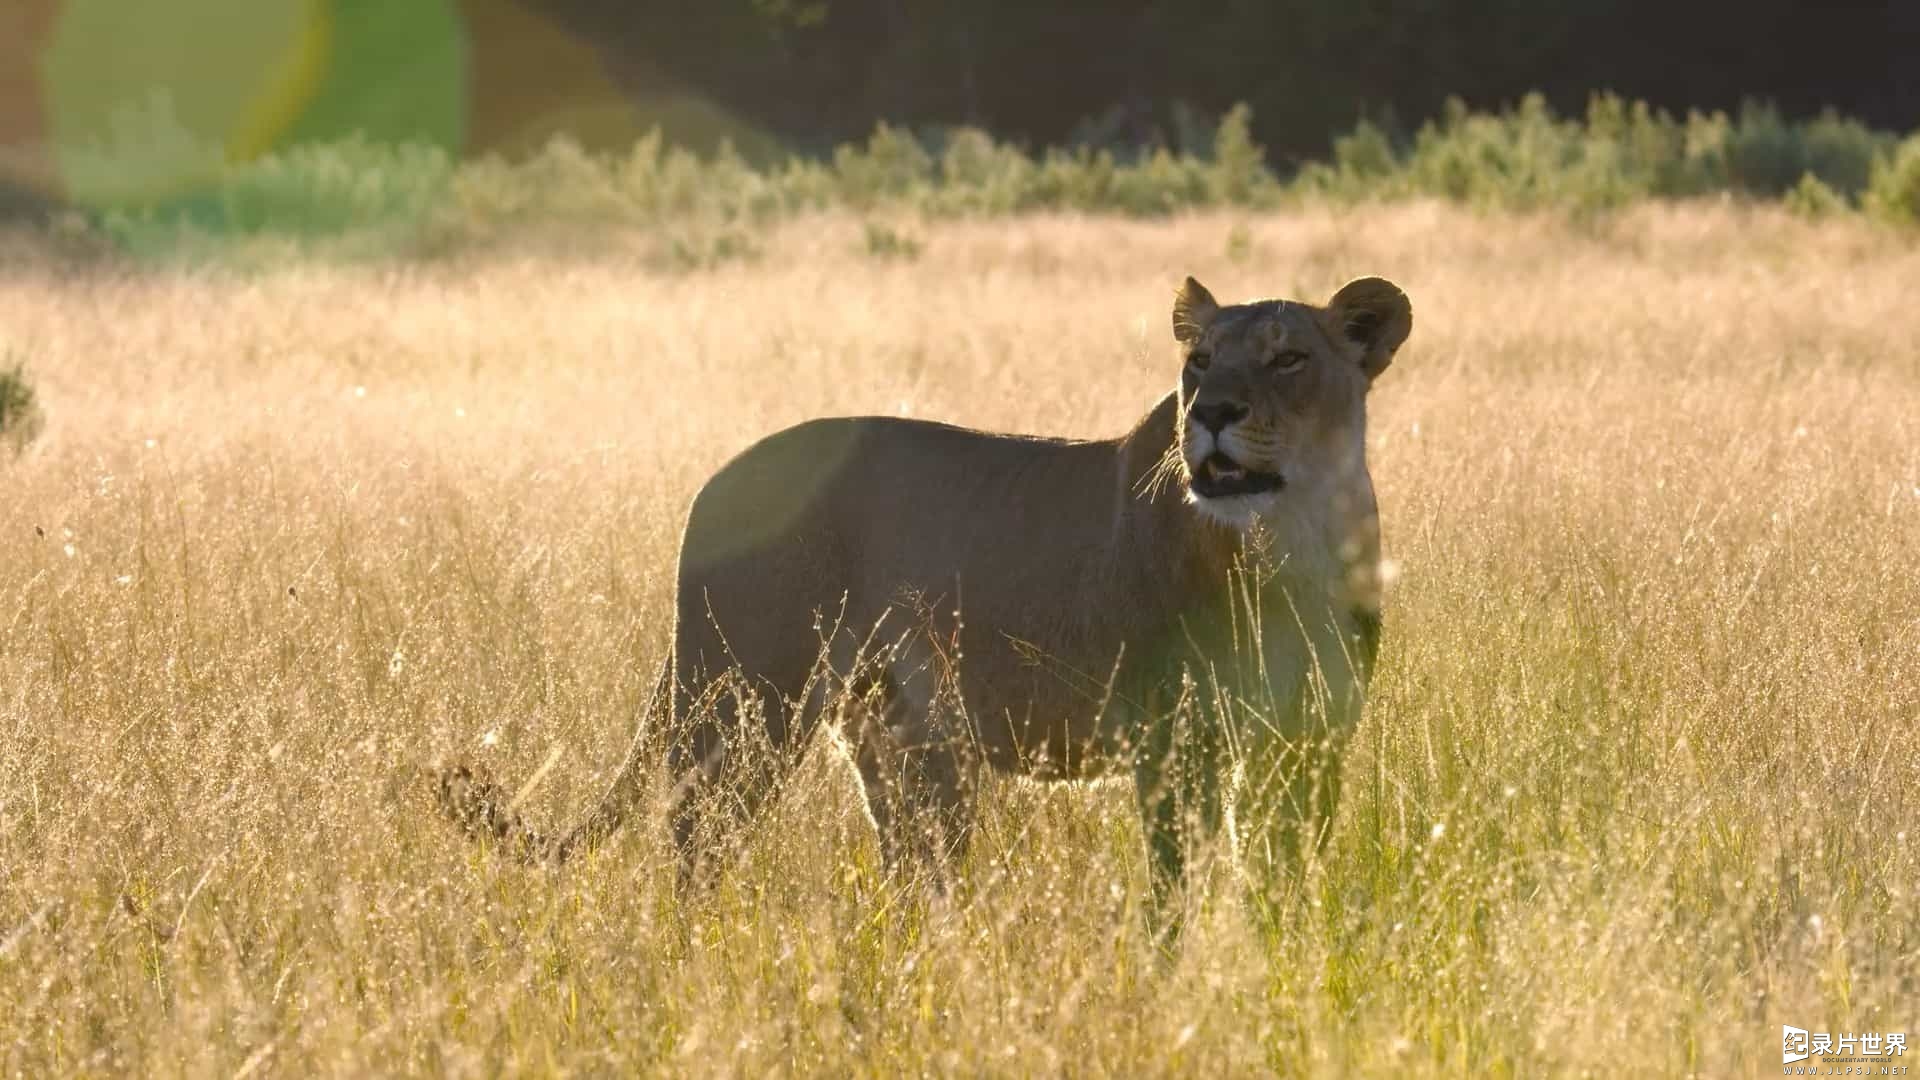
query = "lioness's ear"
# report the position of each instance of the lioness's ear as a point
(1193, 309)
(1374, 314)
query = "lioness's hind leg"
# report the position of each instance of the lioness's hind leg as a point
(728, 759)
(919, 776)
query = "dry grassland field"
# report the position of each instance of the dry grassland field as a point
(1636, 786)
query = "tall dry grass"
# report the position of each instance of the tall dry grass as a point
(1637, 784)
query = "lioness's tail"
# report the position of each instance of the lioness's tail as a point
(484, 809)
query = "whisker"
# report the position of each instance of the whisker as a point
(1164, 471)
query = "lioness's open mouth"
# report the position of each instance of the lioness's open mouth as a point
(1220, 477)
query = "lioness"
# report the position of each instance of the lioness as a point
(1196, 600)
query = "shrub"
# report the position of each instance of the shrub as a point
(565, 182)
(1893, 185)
(684, 251)
(1238, 173)
(1239, 244)
(1763, 155)
(1812, 198)
(981, 176)
(702, 209)
(1520, 158)
(1621, 152)
(333, 188)
(658, 182)
(1165, 183)
(1767, 155)
(1841, 152)
(1702, 167)
(1365, 153)
(893, 165)
(886, 242)
(1082, 180)
(20, 415)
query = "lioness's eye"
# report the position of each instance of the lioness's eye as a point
(1199, 359)
(1288, 361)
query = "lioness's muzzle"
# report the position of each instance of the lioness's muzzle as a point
(1219, 477)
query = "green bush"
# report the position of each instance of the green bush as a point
(685, 250)
(1365, 154)
(378, 197)
(1165, 183)
(1766, 155)
(1893, 185)
(1812, 198)
(1239, 244)
(1841, 152)
(886, 242)
(327, 189)
(20, 415)
(893, 165)
(981, 176)
(1238, 175)
(1518, 159)
(1702, 165)
(1621, 152)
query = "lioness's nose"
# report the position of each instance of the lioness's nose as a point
(1217, 416)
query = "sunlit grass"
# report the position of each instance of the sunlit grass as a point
(1636, 786)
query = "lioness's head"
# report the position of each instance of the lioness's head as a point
(1273, 394)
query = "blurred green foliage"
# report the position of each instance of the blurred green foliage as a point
(20, 414)
(1524, 158)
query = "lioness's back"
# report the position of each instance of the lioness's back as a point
(832, 485)
(845, 517)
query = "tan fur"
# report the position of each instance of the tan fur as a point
(949, 600)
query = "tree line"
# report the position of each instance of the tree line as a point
(814, 73)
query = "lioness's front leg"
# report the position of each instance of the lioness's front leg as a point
(1283, 812)
(1177, 786)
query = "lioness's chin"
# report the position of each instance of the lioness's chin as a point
(1235, 511)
